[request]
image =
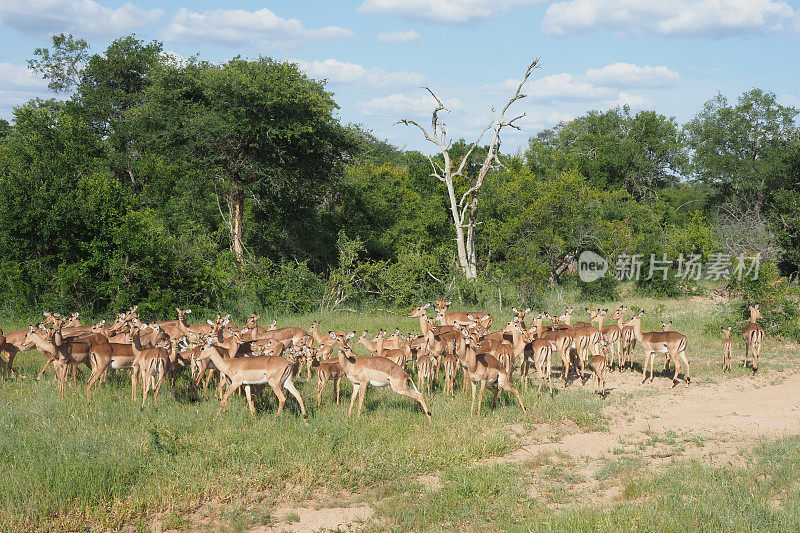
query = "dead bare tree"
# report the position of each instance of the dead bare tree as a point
(465, 210)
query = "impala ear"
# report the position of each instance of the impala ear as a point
(514, 309)
(210, 323)
(45, 313)
(351, 335)
(527, 310)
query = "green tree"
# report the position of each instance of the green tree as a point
(251, 127)
(111, 85)
(739, 149)
(63, 64)
(642, 153)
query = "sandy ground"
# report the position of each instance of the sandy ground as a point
(724, 417)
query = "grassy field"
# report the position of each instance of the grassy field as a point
(71, 466)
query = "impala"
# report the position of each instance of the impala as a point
(611, 334)
(483, 368)
(753, 336)
(276, 372)
(598, 363)
(457, 318)
(62, 352)
(539, 353)
(727, 349)
(562, 340)
(115, 356)
(326, 371)
(669, 342)
(375, 371)
(450, 364)
(424, 372)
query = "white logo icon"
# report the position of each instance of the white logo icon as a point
(591, 266)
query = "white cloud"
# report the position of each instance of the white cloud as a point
(341, 72)
(19, 77)
(789, 100)
(399, 37)
(633, 100)
(627, 75)
(237, 27)
(397, 106)
(81, 17)
(564, 86)
(669, 17)
(441, 11)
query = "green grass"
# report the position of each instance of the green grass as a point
(69, 466)
(687, 496)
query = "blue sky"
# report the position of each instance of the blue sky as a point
(669, 56)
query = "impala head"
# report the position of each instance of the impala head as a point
(442, 304)
(98, 327)
(755, 312)
(273, 325)
(665, 326)
(726, 333)
(419, 311)
(72, 321)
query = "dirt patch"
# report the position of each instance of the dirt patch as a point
(652, 425)
(307, 519)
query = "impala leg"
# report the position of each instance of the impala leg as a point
(134, 371)
(289, 384)
(161, 376)
(48, 363)
(756, 355)
(480, 396)
(322, 382)
(356, 387)
(223, 404)
(652, 363)
(472, 404)
(507, 386)
(362, 392)
(682, 355)
(249, 400)
(145, 377)
(402, 389)
(746, 353)
(96, 373)
(337, 382)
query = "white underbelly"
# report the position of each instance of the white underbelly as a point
(261, 381)
(378, 383)
(119, 366)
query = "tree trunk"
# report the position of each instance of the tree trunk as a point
(461, 241)
(472, 222)
(236, 235)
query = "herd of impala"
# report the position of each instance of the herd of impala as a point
(253, 357)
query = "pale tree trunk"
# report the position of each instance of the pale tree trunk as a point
(465, 211)
(237, 200)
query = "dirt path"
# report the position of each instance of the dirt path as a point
(727, 414)
(720, 418)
